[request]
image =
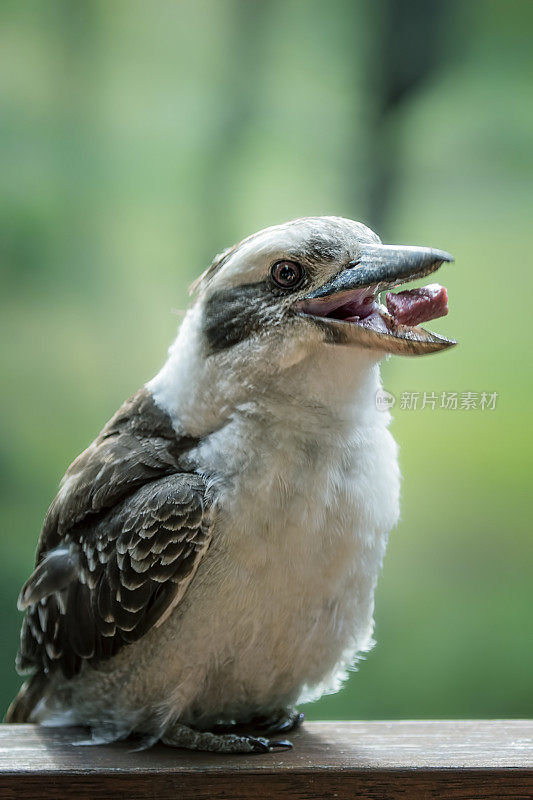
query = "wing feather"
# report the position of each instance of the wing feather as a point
(120, 543)
(110, 604)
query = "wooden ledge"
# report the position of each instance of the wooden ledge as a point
(451, 759)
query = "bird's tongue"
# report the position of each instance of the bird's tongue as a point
(418, 305)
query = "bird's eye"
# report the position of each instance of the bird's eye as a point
(287, 274)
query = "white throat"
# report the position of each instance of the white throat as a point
(335, 384)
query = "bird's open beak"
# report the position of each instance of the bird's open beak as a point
(347, 307)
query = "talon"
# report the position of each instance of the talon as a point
(288, 724)
(283, 744)
(259, 744)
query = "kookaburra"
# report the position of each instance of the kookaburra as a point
(210, 560)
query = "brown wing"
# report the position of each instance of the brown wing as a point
(120, 543)
(137, 445)
(110, 582)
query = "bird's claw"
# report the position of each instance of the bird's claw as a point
(262, 745)
(287, 724)
(282, 744)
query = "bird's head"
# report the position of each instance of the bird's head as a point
(292, 314)
(314, 281)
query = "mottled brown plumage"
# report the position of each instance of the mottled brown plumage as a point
(119, 545)
(137, 445)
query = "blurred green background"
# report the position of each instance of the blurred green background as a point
(138, 139)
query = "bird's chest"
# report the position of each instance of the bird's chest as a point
(293, 495)
(300, 530)
(301, 521)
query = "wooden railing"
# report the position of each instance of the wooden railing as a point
(341, 760)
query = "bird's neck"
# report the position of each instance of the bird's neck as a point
(201, 393)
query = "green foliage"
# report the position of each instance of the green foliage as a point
(138, 140)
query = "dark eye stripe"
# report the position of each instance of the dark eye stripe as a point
(235, 313)
(232, 315)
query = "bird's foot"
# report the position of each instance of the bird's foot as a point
(178, 735)
(282, 720)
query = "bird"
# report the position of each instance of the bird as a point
(210, 560)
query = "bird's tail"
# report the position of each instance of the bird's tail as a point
(26, 699)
